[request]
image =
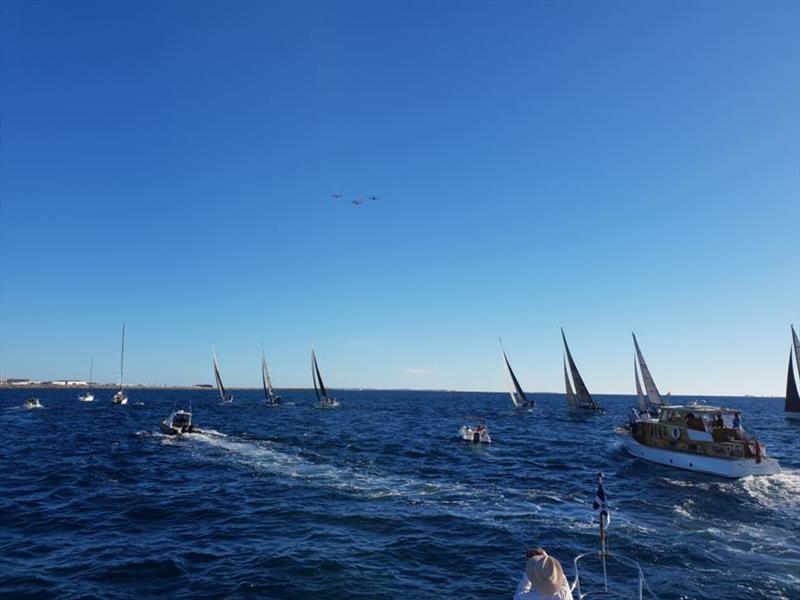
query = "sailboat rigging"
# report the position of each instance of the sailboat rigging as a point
(225, 398)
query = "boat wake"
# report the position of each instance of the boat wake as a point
(779, 491)
(265, 457)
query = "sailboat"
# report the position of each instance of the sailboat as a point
(325, 401)
(653, 401)
(580, 399)
(224, 397)
(270, 397)
(515, 389)
(121, 397)
(792, 405)
(88, 396)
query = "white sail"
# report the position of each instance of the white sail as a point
(572, 400)
(269, 393)
(221, 388)
(653, 397)
(640, 397)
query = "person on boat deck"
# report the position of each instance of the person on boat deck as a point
(737, 422)
(695, 423)
(543, 579)
(718, 422)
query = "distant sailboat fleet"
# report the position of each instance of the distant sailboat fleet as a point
(691, 436)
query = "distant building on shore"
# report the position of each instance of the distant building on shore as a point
(16, 381)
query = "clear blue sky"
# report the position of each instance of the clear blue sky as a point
(601, 167)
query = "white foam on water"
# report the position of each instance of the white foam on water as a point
(779, 491)
(264, 457)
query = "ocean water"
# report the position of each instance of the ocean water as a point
(377, 499)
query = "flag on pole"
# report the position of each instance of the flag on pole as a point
(601, 503)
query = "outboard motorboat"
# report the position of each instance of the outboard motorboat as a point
(87, 397)
(477, 434)
(33, 403)
(178, 422)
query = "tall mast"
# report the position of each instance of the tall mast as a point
(122, 355)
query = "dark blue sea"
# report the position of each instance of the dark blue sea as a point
(377, 499)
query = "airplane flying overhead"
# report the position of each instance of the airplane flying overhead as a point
(336, 195)
(373, 197)
(357, 202)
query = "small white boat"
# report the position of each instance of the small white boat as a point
(88, 396)
(224, 397)
(121, 397)
(792, 403)
(705, 439)
(477, 434)
(324, 400)
(178, 422)
(580, 399)
(515, 389)
(270, 397)
(33, 403)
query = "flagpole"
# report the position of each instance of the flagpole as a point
(603, 551)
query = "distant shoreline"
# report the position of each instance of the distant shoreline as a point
(204, 388)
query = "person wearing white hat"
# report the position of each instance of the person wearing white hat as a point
(543, 579)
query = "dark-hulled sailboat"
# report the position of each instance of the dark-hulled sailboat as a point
(582, 398)
(325, 401)
(515, 389)
(224, 397)
(792, 405)
(270, 397)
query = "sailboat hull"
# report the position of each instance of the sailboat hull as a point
(794, 416)
(722, 467)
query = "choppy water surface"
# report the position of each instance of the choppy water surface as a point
(377, 499)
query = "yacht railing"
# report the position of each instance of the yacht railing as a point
(642, 585)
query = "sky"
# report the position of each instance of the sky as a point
(601, 167)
